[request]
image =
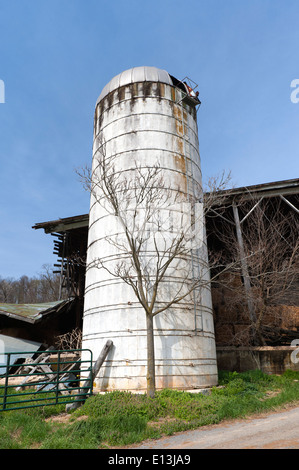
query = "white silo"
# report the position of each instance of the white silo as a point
(145, 116)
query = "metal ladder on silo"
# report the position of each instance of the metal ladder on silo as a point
(195, 266)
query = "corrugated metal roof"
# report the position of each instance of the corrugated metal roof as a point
(31, 312)
(61, 225)
(275, 188)
(136, 74)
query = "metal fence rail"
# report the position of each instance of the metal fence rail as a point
(52, 378)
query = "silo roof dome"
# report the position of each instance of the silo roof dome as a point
(136, 74)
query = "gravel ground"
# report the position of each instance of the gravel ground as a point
(278, 430)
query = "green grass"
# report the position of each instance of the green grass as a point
(123, 418)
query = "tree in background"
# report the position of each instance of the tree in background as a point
(265, 265)
(44, 288)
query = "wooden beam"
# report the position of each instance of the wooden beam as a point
(244, 266)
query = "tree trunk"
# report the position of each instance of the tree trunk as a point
(151, 380)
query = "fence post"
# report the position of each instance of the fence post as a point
(57, 378)
(88, 382)
(6, 381)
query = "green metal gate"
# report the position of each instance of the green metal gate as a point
(52, 378)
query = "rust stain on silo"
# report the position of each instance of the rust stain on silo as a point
(98, 117)
(146, 89)
(161, 88)
(121, 93)
(180, 163)
(173, 94)
(110, 99)
(179, 128)
(180, 175)
(177, 112)
(180, 145)
(133, 88)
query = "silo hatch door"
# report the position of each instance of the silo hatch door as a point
(188, 87)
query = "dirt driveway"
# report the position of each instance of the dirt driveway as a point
(279, 430)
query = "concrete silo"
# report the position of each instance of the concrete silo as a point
(144, 115)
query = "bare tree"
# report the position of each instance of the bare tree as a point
(8, 292)
(70, 340)
(49, 284)
(269, 242)
(156, 229)
(44, 288)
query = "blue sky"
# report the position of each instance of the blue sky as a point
(56, 56)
